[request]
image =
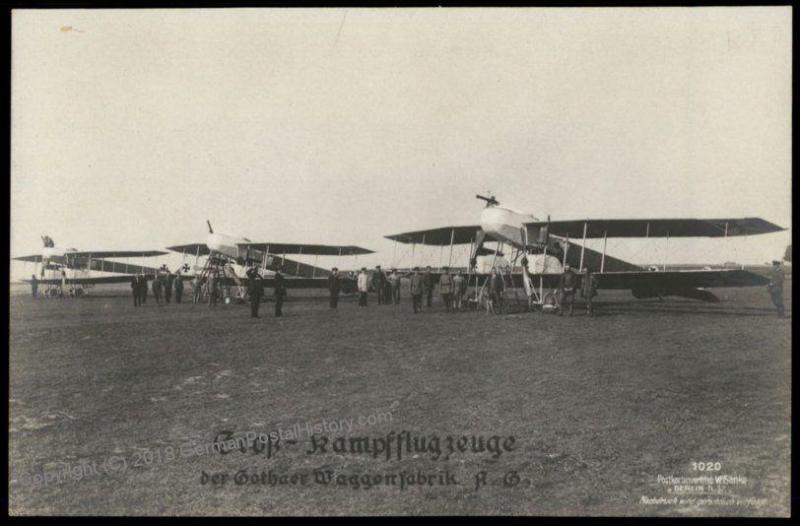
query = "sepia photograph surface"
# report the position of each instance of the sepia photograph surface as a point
(395, 261)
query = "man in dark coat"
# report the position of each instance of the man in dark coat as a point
(775, 288)
(497, 288)
(427, 283)
(135, 288)
(280, 294)
(334, 285)
(417, 289)
(169, 282)
(589, 290)
(178, 287)
(157, 288)
(143, 288)
(567, 286)
(255, 289)
(379, 284)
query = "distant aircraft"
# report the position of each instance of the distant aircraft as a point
(548, 244)
(222, 251)
(62, 267)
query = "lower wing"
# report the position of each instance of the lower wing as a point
(647, 284)
(83, 281)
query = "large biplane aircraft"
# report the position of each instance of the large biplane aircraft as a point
(223, 251)
(68, 270)
(545, 248)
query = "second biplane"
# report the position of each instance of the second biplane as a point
(223, 252)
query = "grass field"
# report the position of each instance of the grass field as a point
(108, 401)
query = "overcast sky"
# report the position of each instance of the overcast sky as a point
(131, 127)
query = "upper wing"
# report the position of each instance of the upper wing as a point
(200, 249)
(456, 235)
(597, 228)
(310, 250)
(35, 259)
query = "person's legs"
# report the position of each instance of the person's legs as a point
(278, 306)
(777, 300)
(430, 298)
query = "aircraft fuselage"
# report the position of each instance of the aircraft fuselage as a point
(505, 225)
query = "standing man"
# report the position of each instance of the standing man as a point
(255, 289)
(497, 288)
(459, 287)
(334, 286)
(427, 280)
(775, 287)
(280, 294)
(178, 287)
(362, 281)
(446, 288)
(157, 288)
(379, 284)
(137, 302)
(417, 289)
(196, 288)
(589, 289)
(394, 283)
(34, 286)
(567, 285)
(169, 282)
(212, 288)
(143, 288)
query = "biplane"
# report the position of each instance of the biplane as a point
(222, 252)
(544, 248)
(68, 270)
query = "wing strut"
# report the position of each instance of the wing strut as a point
(583, 246)
(450, 259)
(603, 258)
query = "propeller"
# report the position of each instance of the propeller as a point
(490, 201)
(210, 230)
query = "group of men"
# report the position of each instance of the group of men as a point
(568, 285)
(164, 283)
(255, 290)
(453, 289)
